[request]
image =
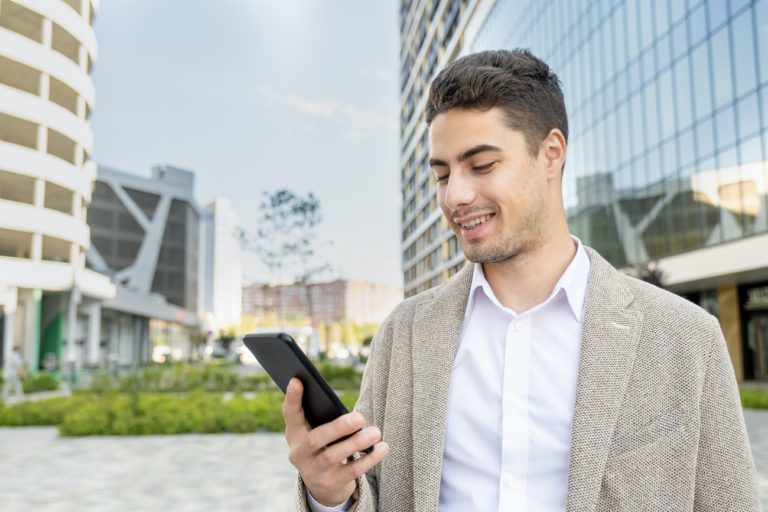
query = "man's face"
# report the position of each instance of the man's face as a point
(490, 188)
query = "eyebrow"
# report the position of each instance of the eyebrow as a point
(482, 148)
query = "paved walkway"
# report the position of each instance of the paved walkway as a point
(41, 472)
(757, 426)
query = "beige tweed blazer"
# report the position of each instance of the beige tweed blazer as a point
(657, 424)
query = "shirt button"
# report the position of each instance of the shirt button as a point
(512, 401)
(518, 327)
(511, 483)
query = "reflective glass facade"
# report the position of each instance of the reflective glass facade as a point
(668, 113)
(668, 107)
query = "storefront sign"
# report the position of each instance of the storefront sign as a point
(757, 298)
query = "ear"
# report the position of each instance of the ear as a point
(553, 150)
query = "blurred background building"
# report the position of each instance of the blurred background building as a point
(145, 236)
(47, 296)
(340, 300)
(668, 109)
(223, 266)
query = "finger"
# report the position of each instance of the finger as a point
(327, 433)
(357, 443)
(293, 412)
(363, 464)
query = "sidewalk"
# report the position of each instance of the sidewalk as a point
(186, 473)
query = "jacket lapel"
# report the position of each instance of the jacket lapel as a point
(436, 330)
(608, 348)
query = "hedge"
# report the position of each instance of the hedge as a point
(180, 378)
(215, 378)
(85, 414)
(43, 412)
(42, 381)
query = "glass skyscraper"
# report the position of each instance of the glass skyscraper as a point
(668, 111)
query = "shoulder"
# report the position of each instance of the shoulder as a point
(665, 308)
(676, 334)
(669, 324)
(658, 307)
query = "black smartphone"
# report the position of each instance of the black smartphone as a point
(283, 359)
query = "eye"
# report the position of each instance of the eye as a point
(484, 167)
(441, 177)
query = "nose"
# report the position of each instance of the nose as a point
(459, 191)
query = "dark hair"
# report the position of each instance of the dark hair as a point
(517, 81)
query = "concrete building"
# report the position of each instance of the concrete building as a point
(48, 299)
(432, 34)
(145, 236)
(223, 266)
(330, 301)
(668, 113)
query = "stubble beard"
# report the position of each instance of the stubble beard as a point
(512, 245)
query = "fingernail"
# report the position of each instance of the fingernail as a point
(384, 448)
(291, 385)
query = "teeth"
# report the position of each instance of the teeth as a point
(475, 222)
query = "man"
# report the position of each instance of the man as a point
(13, 373)
(538, 378)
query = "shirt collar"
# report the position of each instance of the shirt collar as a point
(573, 283)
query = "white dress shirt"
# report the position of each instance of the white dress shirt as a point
(511, 400)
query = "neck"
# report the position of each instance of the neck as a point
(526, 280)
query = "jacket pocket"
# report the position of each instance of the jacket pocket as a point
(660, 427)
(651, 469)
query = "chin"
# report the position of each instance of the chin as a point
(477, 254)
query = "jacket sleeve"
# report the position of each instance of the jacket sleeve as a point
(725, 474)
(362, 500)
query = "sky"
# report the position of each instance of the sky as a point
(257, 95)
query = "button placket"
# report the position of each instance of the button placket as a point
(515, 435)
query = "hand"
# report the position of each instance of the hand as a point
(328, 472)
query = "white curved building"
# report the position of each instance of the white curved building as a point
(49, 300)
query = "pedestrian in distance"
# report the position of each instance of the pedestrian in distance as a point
(13, 373)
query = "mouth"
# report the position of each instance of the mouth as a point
(475, 225)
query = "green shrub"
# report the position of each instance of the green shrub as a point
(754, 397)
(114, 413)
(340, 377)
(43, 412)
(43, 381)
(163, 413)
(349, 398)
(183, 377)
(256, 382)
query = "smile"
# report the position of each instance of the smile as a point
(472, 224)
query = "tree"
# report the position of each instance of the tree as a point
(648, 272)
(287, 240)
